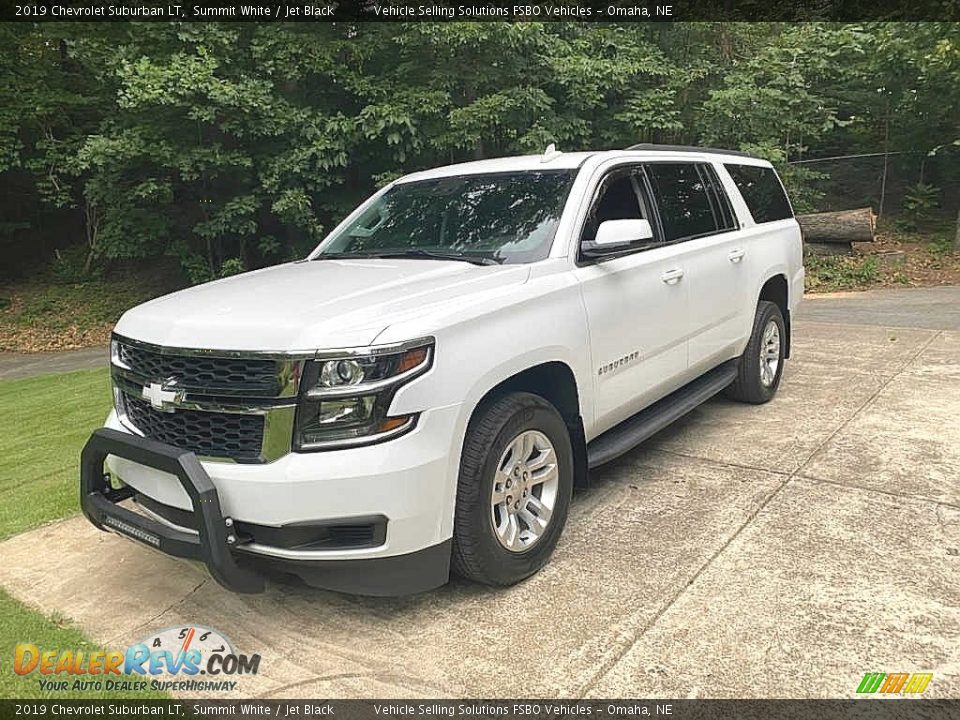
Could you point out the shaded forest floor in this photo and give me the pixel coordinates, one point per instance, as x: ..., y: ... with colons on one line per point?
x: 48, y: 312
x: 896, y: 259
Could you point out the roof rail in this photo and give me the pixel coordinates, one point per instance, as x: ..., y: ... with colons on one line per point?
x: 688, y: 148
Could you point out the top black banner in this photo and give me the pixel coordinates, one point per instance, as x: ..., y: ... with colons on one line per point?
x: 495, y: 10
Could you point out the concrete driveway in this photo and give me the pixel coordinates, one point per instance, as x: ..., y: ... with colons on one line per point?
x: 21, y: 365
x: 775, y: 551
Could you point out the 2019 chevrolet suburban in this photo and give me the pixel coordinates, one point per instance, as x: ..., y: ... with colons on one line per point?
x: 422, y: 392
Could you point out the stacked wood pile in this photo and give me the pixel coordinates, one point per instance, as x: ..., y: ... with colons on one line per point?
x: 831, y: 233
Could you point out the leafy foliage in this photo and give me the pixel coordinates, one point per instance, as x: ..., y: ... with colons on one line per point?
x: 920, y: 199
x: 233, y: 146
x: 840, y: 272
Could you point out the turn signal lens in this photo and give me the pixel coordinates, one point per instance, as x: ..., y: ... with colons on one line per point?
x: 411, y: 358
x: 394, y: 423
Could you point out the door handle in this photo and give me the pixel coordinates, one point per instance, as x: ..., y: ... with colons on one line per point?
x: 736, y: 256
x: 672, y: 277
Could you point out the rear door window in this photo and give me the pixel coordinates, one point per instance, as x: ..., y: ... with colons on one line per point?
x: 686, y: 206
x: 761, y: 191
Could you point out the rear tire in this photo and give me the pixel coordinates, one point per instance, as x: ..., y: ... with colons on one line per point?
x: 761, y: 365
x: 514, y: 489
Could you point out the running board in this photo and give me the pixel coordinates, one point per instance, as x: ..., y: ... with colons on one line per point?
x: 634, y: 430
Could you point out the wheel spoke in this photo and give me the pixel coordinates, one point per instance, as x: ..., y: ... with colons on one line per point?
x: 540, y: 460
x: 544, y: 475
x: 512, y: 531
x: 533, y: 523
x: 526, y: 447
x: 509, y: 456
x: 504, y: 523
x: 542, y: 512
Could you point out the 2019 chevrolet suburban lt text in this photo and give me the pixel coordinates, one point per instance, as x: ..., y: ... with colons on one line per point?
x: 422, y: 393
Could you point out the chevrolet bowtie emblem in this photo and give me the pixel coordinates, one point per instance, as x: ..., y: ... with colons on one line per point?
x: 161, y: 397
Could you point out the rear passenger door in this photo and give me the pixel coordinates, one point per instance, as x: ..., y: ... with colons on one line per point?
x: 772, y: 237
x: 695, y: 214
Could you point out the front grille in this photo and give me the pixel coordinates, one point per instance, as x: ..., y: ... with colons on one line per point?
x: 211, y: 434
x: 251, y: 377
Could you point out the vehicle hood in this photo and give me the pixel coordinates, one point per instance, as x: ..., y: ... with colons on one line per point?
x: 311, y: 305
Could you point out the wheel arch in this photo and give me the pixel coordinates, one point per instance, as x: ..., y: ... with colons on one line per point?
x: 555, y: 382
x: 776, y: 289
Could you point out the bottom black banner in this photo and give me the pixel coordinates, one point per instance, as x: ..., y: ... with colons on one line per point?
x: 907, y: 709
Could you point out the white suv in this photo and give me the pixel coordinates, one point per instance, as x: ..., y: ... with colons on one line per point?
x: 424, y: 391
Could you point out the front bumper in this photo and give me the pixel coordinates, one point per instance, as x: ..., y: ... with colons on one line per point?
x: 213, y: 540
x: 408, y: 480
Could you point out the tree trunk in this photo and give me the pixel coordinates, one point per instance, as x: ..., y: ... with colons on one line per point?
x: 886, y: 160
x: 92, y: 217
x: 845, y: 226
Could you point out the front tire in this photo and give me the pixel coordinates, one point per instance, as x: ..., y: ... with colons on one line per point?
x: 514, y: 489
x: 761, y: 365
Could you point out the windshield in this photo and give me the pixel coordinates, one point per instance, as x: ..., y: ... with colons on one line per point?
x: 501, y: 217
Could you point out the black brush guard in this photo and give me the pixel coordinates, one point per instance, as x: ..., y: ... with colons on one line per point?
x: 99, y: 502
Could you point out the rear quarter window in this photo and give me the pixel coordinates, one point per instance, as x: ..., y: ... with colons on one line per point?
x: 762, y: 191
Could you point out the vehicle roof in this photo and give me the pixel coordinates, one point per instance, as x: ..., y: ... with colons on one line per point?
x: 572, y: 160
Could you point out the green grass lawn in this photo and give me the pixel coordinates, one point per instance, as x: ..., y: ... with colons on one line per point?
x: 20, y: 624
x: 43, y: 425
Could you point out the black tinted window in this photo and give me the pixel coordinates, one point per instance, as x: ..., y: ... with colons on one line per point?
x: 761, y: 191
x: 616, y: 200
x: 726, y: 220
x: 685, y: 205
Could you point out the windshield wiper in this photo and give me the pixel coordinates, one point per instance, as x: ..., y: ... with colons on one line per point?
x: 416, y: 253
x: 434, y: 255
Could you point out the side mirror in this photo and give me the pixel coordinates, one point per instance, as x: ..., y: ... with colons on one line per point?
x: 622, y: 232
x: 616, y: 235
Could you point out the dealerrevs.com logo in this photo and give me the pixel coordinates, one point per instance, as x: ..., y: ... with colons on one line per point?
x: 179, y: 659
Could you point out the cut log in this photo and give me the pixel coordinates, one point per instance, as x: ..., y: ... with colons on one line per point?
x: 831, y: 248
x: 845, y: 226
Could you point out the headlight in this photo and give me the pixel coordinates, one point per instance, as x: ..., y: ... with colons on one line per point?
x: 345, y: 397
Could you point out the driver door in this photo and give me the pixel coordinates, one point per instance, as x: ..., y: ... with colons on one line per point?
x: 636, y: 306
